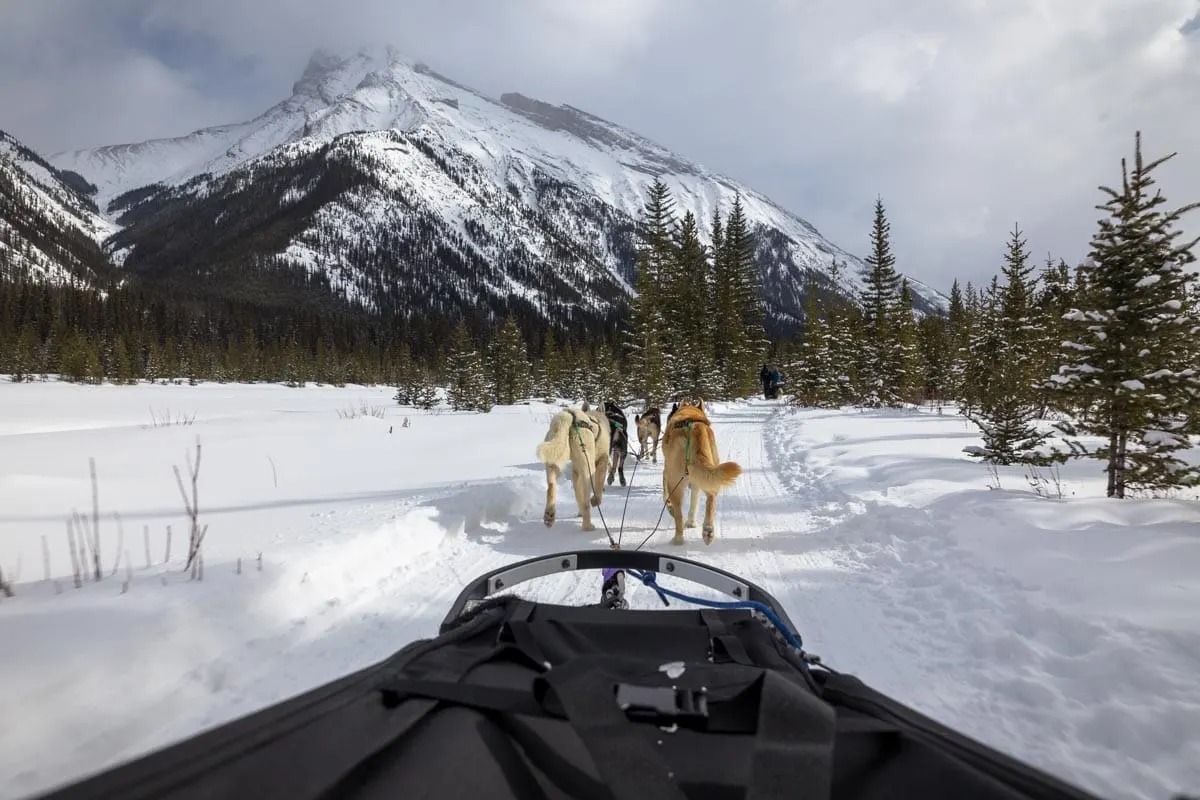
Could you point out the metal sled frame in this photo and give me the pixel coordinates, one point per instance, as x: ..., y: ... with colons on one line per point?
x: 506, y: 577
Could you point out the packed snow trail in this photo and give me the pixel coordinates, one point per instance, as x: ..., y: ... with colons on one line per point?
x: 389, y: 523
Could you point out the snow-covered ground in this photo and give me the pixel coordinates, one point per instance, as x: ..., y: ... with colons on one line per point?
x: 1066, y: 632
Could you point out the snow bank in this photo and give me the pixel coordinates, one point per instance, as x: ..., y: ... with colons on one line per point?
x: 1066, y: 632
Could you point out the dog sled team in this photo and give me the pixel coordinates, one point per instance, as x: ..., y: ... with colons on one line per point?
x: 596, y: 443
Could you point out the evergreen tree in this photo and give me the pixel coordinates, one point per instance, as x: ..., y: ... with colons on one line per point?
x: 933, y: 336
x: 907, y: 373
x: 809, y: 364
x: 880, y: 334
x: 1127, y: 367
x: 1052, y: 303
x: 550, y: 369
x: 647, y: 340
x: 750, y: 346
x: 958, y: 342
x: 726, y: 318
x: 466, y: 378
x: 844, y: 321
x: 510, y: 375
x: 685, y: 305
x: 414, y: 384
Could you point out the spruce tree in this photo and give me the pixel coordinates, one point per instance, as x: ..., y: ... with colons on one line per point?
x: 1128, y: 367
x: 726, y: 318
x: 687, y: 303
x: 958, y: 343
x: 550, y: 372
x: 810, y: 368
x: 844, y: 321
x: 509, y: 362
x: 466, y: 379
x: 880, y: 334
x: 907, y: 373
x: 654, y: 256
x: 1052, y: 303
x: 933, y: 336
x: 751, y: 345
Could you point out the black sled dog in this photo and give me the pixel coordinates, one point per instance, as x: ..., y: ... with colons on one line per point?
x: 618, y: 449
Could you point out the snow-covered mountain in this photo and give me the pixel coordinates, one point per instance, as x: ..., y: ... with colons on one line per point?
x: 50, y: 230
x: 395, y: 188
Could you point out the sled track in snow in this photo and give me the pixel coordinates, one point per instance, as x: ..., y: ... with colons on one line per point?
x: 879, y: 590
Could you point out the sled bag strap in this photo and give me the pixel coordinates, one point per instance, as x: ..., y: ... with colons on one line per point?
x: 625, y: 759
x: 726, y: 647
x: 793, y: 749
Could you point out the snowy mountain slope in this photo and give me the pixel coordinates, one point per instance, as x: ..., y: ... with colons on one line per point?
x: 506, y: 189
x: 50, y: 230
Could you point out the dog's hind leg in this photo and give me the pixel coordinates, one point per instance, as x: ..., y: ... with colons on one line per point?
x: 677, y: 511
x: 691, y: 520
x: 612, y: 470
x: 552, y: 473
x: 621, y: 467
x: 582, y: 488
x: 598, y: 471
x: 708, y: 532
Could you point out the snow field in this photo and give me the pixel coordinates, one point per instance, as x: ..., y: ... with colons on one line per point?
x: 1066, y: 632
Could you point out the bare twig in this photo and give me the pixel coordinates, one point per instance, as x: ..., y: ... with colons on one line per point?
x: 81, y: 540
x: 46, y: 556
x: 120, y: 543
x: 146, y: 542
x: 193, y: 505
x: 95, y: 518
x: 167, y: 555
x: 74, y: 552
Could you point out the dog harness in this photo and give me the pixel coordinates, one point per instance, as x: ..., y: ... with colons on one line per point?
x: 687, y: 445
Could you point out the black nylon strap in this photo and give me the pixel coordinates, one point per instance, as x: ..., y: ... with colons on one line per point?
x: 725, y: 645
x: 490, y: 699
x: 625, y: 759
x: 793, y: 750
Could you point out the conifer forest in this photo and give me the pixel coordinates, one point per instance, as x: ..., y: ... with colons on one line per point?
x: 1107, y: 348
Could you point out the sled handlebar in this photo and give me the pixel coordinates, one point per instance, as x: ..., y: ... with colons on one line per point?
x: 510, y: 575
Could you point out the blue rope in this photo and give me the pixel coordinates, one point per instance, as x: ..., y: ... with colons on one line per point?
x: 650, y: 580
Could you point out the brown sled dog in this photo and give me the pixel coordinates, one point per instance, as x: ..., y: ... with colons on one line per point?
x: 649, y: 427
x: 581, y: 437
x: 690, y: 457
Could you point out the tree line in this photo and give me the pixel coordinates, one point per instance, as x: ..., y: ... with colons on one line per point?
x: 1109, y: 349
x: 1109, y: 346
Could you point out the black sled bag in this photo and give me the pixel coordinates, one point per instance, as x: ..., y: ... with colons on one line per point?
x: 522, y: 700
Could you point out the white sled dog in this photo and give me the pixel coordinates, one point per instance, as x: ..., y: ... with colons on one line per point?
x: 581, y: 437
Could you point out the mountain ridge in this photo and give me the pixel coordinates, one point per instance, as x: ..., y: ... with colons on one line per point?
x: 482, y: 172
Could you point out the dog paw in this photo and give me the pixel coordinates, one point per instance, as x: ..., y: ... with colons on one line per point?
x: 610, y: 480
x: 708, y: 534
x: 677, y: 540
x: 587, y: 526
x: 622, y: 480
x: 548, y: 518
x: 596, y: 502
x: 691, y: 523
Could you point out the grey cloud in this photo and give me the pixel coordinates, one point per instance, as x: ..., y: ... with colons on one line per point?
x: 965, y: 115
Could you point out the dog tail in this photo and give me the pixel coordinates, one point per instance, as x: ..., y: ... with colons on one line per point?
x: 713, y: 479
x: 556, y: 449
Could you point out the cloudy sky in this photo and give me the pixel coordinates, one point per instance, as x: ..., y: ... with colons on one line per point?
x: 966, y: 116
